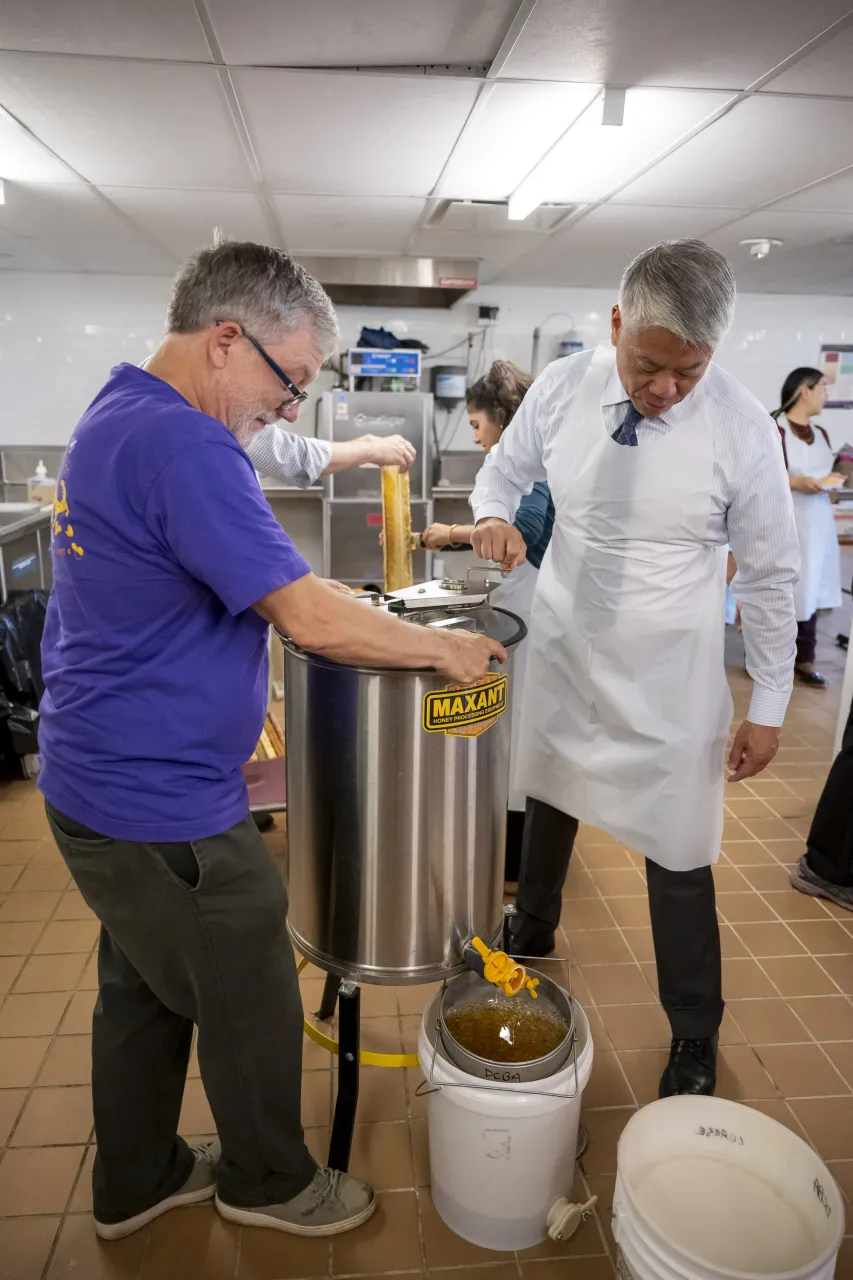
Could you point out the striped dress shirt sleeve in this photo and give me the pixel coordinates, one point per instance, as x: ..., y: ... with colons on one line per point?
x: 293, y: 459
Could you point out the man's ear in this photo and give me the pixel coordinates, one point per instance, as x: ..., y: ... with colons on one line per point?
x: 615, y: 324
x: 220, y: 338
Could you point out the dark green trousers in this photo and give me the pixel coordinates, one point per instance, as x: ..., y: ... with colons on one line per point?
x: 192, y: 933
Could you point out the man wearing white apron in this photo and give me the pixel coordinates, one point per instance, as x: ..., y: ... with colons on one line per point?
x: 656, y: 459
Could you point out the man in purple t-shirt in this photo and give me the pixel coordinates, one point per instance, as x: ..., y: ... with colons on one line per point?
x: 168, y: 568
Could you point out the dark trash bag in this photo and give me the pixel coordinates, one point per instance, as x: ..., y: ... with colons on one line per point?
x: 21, y: 680
x: 21, y: 628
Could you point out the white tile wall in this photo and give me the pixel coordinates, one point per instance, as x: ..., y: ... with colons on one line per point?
x: 60, y: 334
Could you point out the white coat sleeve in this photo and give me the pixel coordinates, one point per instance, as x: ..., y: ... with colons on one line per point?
x: 291, y: 458
x: 763, y: 538
x: 517, y: 460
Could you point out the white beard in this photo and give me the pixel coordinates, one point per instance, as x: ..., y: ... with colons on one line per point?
x: 246, y: 426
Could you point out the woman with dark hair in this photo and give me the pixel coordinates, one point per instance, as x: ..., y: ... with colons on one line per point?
x: 809, y: 459
x: 492, y: 402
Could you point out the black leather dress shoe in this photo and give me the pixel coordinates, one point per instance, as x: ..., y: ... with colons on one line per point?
x: 812, y: 678
x: 519, y: 945
x: 692, y: 1068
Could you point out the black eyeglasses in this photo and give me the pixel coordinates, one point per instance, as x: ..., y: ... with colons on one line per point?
x: 296, y: 396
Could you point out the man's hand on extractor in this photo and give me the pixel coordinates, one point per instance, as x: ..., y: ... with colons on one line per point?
x: 754, y: 747
x: 465, y: 657
x: 494, y: 539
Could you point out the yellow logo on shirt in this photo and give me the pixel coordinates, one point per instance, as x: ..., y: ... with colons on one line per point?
x: 62, y: 526
x: 466, y: 713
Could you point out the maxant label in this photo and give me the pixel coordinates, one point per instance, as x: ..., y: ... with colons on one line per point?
x: 466, y: 713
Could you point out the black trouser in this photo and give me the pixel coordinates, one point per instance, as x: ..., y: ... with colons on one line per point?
x: 829, y: 853
x: 806, y: 640
x: 191, y: 933
x: 514, y: 838
x: 683, y: 910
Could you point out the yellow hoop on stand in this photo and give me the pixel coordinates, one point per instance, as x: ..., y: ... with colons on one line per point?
x: 365, y: 1057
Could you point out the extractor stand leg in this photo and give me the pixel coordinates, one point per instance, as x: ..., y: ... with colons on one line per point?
x: 349, y: 1009
x: 330, y: 998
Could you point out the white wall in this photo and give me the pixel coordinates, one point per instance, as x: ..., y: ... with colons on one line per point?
x: 59, y: 335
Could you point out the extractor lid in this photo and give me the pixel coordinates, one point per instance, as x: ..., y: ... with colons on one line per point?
x: 394, y: 282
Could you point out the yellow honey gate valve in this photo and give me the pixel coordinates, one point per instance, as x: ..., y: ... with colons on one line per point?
x: 504, y: 972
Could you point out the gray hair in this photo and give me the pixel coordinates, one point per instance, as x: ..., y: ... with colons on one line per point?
x: 683, y: 286
x: 260, y: 287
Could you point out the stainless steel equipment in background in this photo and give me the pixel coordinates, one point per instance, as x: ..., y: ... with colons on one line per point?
x: 25, y: 562
x: 352, y: 500
x: 19, y: 462
x: 397, y: 790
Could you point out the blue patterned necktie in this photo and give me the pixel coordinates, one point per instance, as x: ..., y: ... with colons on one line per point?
x: 626, y: 432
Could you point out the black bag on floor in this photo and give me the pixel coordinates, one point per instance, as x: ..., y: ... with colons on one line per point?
x: 21, y: 628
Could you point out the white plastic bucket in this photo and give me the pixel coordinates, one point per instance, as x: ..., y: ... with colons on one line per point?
x: 501, y: 1154
x: 708, y: 1189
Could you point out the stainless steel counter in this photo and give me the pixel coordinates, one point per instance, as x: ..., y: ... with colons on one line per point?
x: 24, y: 547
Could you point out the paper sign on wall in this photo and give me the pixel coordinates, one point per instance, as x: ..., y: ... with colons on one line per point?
x: 836, y: 365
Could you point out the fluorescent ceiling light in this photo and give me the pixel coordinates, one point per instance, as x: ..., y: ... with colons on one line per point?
x: 530, y: 193
x: 506, y: 135
x: 590, y: 161
x: 523, y: 201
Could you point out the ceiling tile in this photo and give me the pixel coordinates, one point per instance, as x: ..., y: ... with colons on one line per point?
x: 494, y: 249
x: 352, y: 134
x: 724, y: 45
x: 184, y: 221
x: 346, y: 224
x: 28, y: 255
x: 835, y: 194
x: 373, y: 32
x: 593, y: 159
x: 789, y: 227
x: 822, y: 269
x: 740, y: 159
x: 825, y: 71
x: 133, y: 28
x: 596, y: 249
x: 816, y: 253
x: 132, y: 258
x: 74, y: 211
x: 24, y: 159
x: 505, y: 137
x: 128, y: 123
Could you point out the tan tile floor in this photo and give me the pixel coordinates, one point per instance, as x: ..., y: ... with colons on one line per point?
x: 787, y: 1049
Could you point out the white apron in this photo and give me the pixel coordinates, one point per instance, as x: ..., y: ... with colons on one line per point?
x: 627, y: 709
x: 819, y: 586
x: 516, y: 594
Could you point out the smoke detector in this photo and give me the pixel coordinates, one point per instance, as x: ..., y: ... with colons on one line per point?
x: 760, y: 248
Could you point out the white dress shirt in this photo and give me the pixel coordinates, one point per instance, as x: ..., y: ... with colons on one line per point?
x: 284, y: 455
x: 749, y: 507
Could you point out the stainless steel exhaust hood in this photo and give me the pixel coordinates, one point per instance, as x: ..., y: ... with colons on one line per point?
x: 394, y: 282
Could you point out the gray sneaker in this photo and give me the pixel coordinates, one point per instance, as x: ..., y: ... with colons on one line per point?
x: 331, y: 1204
x: 200, y: 1185
x: 804, y: 879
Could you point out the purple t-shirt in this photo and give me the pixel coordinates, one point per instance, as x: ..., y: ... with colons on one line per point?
x: 155, y: 664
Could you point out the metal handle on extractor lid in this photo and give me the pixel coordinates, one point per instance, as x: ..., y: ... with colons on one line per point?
x: 498, y: 968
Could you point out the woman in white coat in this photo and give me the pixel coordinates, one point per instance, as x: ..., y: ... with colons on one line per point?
x: 492, y: 402
x: 809, y: 459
